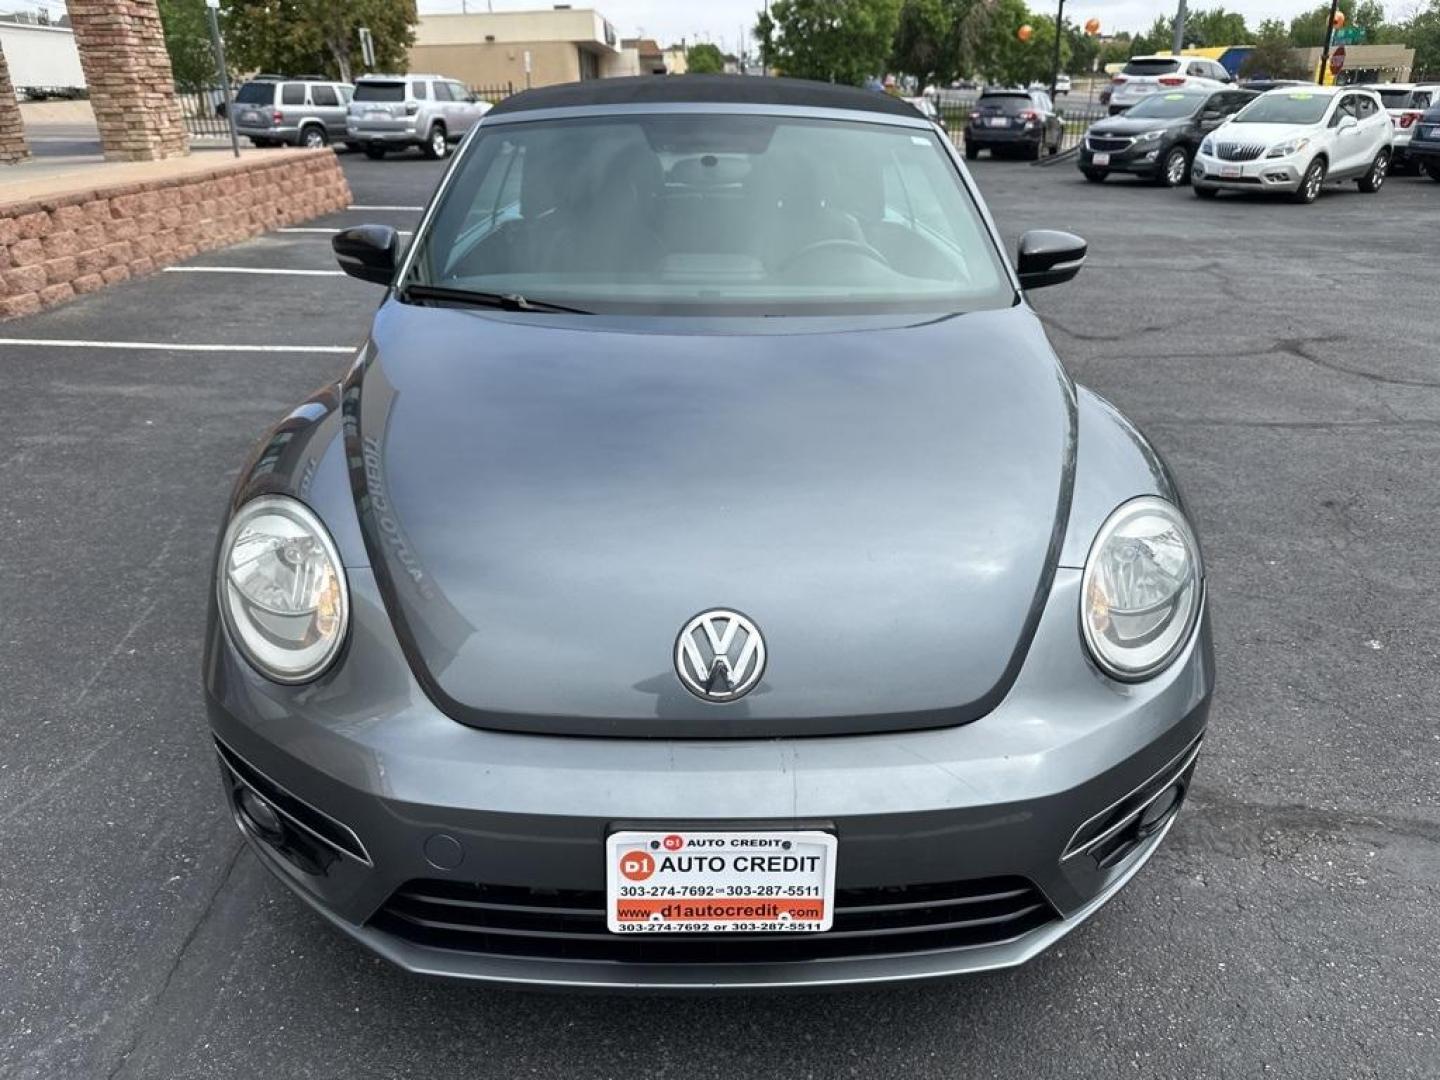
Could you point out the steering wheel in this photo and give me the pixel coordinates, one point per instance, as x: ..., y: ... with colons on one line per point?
x: 859, y: 247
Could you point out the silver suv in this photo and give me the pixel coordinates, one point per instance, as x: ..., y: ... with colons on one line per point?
x: 391, y: 112
x: 297, y: 111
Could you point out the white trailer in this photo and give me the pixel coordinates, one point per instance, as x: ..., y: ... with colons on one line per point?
x: 43, y: 60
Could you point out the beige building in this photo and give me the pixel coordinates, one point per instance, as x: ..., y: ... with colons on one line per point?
x: 675, y: 62
x: 1366, y: 63
x: 522, y: 48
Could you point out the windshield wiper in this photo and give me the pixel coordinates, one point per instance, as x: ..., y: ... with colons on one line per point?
x: 504, y: 301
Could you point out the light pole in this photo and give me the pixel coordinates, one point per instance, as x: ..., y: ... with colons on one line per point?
x: 1329, y: 40
x: 1055, y: 66
x: 212, y: 8
x: 1179, y: 29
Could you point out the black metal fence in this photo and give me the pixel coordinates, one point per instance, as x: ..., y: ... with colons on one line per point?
x: 203, y: 114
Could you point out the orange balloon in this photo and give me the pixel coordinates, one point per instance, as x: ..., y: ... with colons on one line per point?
x: 1092, y: 26
x: 1025, y: 32
x: 1339, y: 19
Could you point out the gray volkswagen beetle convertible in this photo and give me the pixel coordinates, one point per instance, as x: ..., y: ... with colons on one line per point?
x: 706, y: 575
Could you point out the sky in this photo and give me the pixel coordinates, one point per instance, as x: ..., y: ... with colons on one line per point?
x: 721, y: 21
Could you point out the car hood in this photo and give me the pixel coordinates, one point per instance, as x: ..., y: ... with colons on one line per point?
x: 547, y: 500
x: 1268, y: 134
x: 1124, y: 125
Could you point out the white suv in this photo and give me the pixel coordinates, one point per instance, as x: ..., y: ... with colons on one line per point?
x: 1146, y: 75
x: 1293, y: 140
x: 1406, y: 103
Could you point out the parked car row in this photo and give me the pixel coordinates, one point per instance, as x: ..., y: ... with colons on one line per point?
x: 377, y: 114
x: 1290, y: 140
x: 1159, y: 137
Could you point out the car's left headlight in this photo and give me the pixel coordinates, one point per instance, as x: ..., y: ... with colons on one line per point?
x: 1140, y: 594
x: 1149, y: 136
x: 1285, y: 149
x: 282, y: 590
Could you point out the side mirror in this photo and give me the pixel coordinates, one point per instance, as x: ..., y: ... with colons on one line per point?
x: 1347, y: 122
x: 368, y: 252
x: 1048, y: 258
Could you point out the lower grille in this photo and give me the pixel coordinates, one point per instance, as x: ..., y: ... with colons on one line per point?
x: 570, y: 924
x: 1227, y: 151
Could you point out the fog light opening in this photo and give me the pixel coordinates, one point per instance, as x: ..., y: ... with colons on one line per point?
x: 1159, y: 810
x: 260, y: 815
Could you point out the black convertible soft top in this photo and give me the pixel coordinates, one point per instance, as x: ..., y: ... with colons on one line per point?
x: 719, y: 89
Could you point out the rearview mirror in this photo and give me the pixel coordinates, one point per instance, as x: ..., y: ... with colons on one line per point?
x: 368, y: 252
x: 1048, y: 258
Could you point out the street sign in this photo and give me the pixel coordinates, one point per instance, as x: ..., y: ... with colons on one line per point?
x: 367, y: 46
x: 1349, y: 35
x: 1337, y: 61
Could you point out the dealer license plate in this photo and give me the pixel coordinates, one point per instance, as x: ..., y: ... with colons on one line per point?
x: 1430, y: 133
x: 1229, y: 172
x: 1101, y: 159
x: 999, y: 121
x: 719, y: 882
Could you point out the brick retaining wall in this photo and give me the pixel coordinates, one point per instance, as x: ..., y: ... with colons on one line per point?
x: 53, y: 248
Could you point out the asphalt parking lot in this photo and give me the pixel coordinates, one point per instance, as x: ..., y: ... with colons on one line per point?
x: 1286, y: 359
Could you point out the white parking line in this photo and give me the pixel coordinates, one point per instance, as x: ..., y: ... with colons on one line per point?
x: 316, y: 229
x: 406, y: 209
x: 250, y: 270
x: 165, y: 346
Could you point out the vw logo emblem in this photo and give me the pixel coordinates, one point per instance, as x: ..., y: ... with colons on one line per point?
x: 720, y: 655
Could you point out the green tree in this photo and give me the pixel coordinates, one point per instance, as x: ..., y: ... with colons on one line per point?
x: 187, y: 40
x: 704, y: 59
x: 1006, y: 60
x: 1160, y: 37
x: 1422, y: 33
x: 319, y: 36
x: 1272, y: 57
x: 1307, y: 30
x: 1215, y: 28
x: 939, y: 40
x: 921, y: 39
x: 833, y: 40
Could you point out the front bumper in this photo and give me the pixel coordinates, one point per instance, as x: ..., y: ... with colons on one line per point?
x: 1272, y: 174
x: 1144, y: 159
x: 430, y: 805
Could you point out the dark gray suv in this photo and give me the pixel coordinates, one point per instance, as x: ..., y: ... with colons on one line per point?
x: 706, y: 575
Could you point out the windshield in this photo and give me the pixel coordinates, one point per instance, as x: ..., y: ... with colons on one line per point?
x: 713, y: 214
x: 255, y: 93
x: 1010, y: 104
x: 380, y: 91
x: 1396, y: 99
x: 1167, y: 106
x: 1151, y: 67
x: 1289, y: 107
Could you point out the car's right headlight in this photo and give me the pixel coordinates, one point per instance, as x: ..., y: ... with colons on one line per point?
x: 1208, y: 147
x: 282, y: 590
x: 1141, y: 590
x: 1288, y: 147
